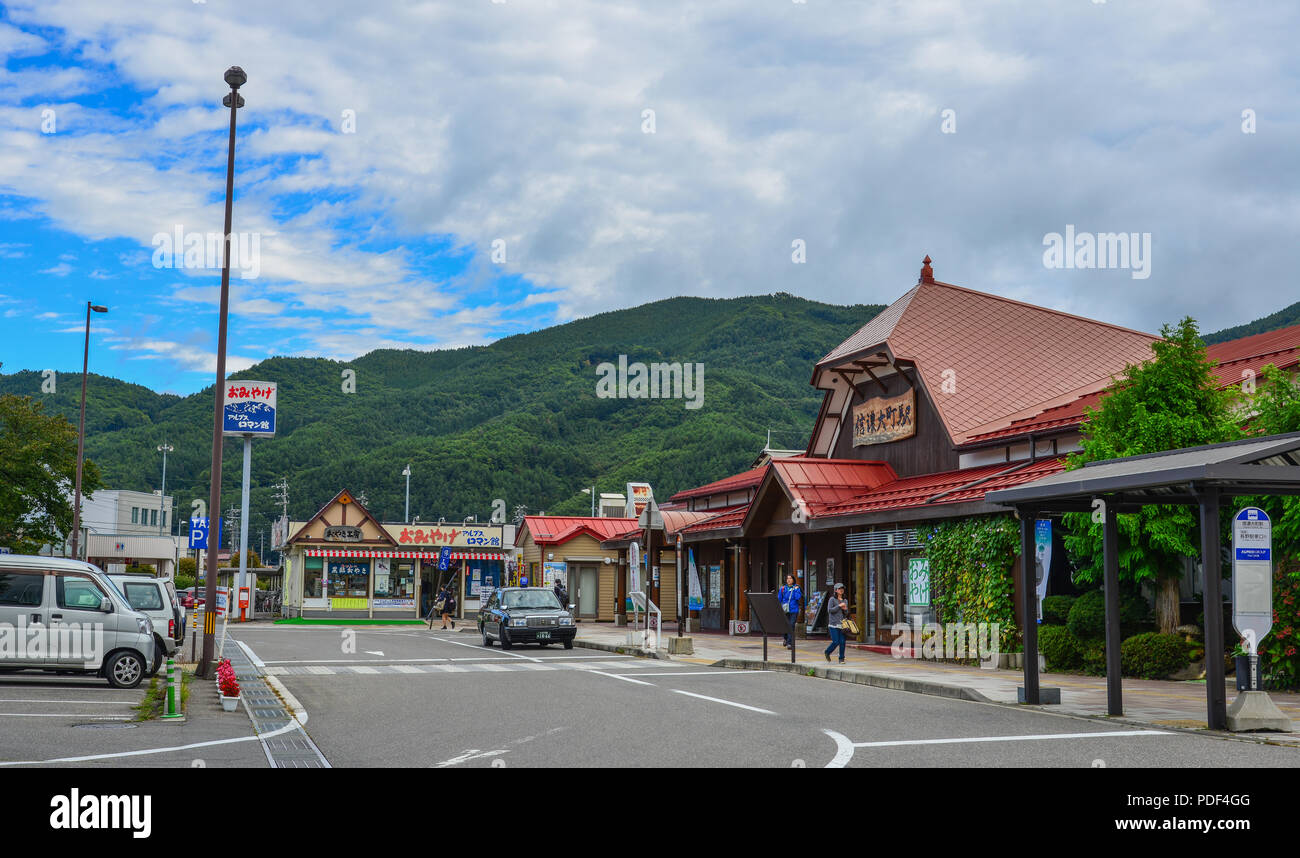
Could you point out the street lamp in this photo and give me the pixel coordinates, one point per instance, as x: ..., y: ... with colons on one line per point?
x: 81, y: 435
x: 591, y: 491
x: 406, y: 472
x: 235, y: 78
x: 163, y: 448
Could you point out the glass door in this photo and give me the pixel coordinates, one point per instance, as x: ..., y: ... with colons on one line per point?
x: 886, y: 576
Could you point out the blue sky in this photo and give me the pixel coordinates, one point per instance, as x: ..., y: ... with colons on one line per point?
x: 387, y: 148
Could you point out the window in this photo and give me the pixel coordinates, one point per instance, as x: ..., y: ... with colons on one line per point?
x: 349, y: 579
x: 144, y: 597
x: 397, y: 583
x: 22, y: 588
x: 530, y: 599
x: 75, y: 591
x: 135, y: 515
x: 154, y: 516
x: 164, y: 521
x: 311, y: 577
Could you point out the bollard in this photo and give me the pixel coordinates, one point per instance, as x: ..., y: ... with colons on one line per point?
x: 172, y: 710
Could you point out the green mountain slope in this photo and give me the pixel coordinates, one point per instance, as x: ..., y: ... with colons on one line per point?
x: 1283, y: 318
x: 517, y: 420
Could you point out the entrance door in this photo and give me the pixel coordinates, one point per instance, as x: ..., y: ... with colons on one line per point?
x: 587, y: 597
x: 887, y: 590
x: 711, y: 614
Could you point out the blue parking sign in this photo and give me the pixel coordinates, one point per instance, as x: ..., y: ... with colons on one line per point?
x: 199, y: 533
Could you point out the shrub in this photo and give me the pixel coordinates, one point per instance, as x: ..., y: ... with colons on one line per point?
x: 1134, y: 614
x: 1056, y: 610
x: 1087, y: 620
x: 1153, y: 655
x: 1062, y: 650
x: 1094, y: 658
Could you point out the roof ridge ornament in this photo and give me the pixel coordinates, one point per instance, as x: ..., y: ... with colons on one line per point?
x: 927, y: 273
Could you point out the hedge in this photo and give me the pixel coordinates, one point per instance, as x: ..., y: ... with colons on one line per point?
x: 1056, y: 609
x: 1153, y: 655
x: 1062, y: 650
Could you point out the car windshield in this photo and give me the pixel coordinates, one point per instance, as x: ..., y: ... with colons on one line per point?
x: 529, y: 599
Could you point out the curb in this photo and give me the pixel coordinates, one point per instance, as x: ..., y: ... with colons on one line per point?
x: 858, y: 677
x: 622, y: 649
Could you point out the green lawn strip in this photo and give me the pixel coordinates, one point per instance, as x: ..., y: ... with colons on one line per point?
x: 155, y: 698
x: 300, y: 621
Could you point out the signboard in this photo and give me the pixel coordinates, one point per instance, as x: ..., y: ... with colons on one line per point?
x: 696, y: 598
x: 1252, y: 576
x: 918, y: 582
x: 882, y: 419
x: 639, y: 496
x: 1042, y: 559
x: 552, y: 570
x: 248, y: 408
x: 343, y: 533
x: 280, y: 533
x: 739, y: 627
x: 715, y: 586
x: 634, y: 566
x: 472, y: 536
x: 394, y: 603
x: 382, y: 568
x: 812, y: 609
x: 444, y: 558
x: 199, y: 532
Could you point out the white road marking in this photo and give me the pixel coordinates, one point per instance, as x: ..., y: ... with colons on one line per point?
x: 725, y: 702
x: 705, y: 673
x: 252, y: 656
x: 363, y: 669
x: 64, y: 715
x: 373, y: 651
x: 539, y: 666
x: 479, y: 647
x: 843, y: 750
x: 318, y: 670
x: 407, y: 668
x: 449, y: 668
x: 616, y: 676
x: 472, y: 754
x: 495, y: 667
x: 295, y: 708
x: 293, y: 661
x: 1101, y: 735
x: 40, y: 700
x: 292, y: 725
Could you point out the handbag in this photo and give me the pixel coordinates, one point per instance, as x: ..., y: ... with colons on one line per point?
x: 850, y: 626
x: 439, y: 605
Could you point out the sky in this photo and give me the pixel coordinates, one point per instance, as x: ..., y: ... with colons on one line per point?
x: 439, y: 174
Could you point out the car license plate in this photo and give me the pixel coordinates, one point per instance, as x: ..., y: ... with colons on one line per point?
x: 543, y: 636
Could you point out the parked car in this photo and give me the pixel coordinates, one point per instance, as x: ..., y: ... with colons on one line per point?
x: 156, y: 599
x: 514, y: 615
x: 87, y: 622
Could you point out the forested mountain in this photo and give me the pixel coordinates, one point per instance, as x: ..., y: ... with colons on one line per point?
x: 1284, y: 318
x: 517, y: 420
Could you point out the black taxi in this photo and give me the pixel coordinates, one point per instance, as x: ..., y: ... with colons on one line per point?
x: 521, y: 615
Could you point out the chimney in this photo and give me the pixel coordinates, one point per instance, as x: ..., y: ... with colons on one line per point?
x: 927, y: 273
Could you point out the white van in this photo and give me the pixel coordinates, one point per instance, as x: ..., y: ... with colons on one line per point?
x: 66, y: 616
x: 156, y: 599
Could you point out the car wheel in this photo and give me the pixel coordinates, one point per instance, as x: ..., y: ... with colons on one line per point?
x: 505, y: 640
x: 568, y: 644
x: 158, y: 649
x: 125, y: 670
x: 487, y: 641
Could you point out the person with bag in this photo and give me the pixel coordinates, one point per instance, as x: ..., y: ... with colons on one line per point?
x: 561, y: 594
x: 837, y: 612
x: 791, y: 599
x: 448, y: 608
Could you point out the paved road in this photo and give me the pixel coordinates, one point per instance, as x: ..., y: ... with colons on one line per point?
x: 411, y: 697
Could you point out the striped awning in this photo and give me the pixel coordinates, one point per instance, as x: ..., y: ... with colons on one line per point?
x: 431, y: 556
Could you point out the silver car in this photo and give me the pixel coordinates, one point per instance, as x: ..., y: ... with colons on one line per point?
x: 66, y: 616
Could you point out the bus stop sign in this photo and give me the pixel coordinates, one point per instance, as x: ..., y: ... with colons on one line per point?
x: 1252, y: 576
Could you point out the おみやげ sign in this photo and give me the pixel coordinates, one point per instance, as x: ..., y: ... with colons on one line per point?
x: 248, y: 408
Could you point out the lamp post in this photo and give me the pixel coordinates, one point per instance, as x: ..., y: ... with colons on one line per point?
x: 406, y: 472
x: 81, y: 435
x: 163, y: 448
x: 591, y: 491
x: 235, y: 78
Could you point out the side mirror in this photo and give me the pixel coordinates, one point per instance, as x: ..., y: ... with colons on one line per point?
x: 572, y: 608
x: 106, y: 606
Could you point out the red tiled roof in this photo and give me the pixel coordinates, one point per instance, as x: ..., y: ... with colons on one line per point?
x: 1005, y: 356
x: 915, y: 491
x: 734, y: 483
x: 733, y: 517
x: 558, y: 529
x: 823, y: 482
x: 1237, y: 359
x: 676, y: 520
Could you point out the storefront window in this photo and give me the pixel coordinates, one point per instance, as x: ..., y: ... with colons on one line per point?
x: 349, y: 579
x: 312, y: 567
x: 394, y: 580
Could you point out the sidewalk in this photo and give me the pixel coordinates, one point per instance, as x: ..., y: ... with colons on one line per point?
x: 1146, y: 702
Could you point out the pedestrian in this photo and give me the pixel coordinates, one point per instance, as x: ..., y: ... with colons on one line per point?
x: 448, y: 607
x: 837, y: 610
x: 561, y: 593
x: 790, y: 597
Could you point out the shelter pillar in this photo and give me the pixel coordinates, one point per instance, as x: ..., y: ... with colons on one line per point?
x: 1029, y: 611
x: 1110, y: 590
x: 1216, y: 705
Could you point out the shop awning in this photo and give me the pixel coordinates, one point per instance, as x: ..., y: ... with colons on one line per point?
x: 431, y: 556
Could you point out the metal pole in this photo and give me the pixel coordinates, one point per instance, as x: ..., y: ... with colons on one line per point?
x: 1110, y: 561
x: 1215, y: 704
x: 679, y: 585
x: 407, y: 518
x: 1029, y: 595
x: 162, y: 494
x: 235, y: 77
x: 243, y: 522
x: 81, y: 444
x: 593, y: 501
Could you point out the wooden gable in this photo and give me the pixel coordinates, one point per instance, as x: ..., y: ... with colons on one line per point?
x: 344, y: 511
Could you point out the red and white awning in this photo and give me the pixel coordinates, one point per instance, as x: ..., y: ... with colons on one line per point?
x: 430, y: 556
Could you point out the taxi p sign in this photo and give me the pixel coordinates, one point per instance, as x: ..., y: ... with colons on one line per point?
x: 1252, y: 576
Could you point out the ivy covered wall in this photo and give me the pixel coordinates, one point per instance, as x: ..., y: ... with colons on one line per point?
x: 971, y: 572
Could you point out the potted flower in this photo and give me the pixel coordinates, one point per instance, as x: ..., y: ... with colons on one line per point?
x: 227, y: 685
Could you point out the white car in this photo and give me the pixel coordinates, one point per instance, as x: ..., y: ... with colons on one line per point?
x: 156, y: 599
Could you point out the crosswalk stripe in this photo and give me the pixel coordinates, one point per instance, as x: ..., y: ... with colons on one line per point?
x: 408, y: 668
x: 321, y: 671
x: 363, y: 669
x: 494, y: 667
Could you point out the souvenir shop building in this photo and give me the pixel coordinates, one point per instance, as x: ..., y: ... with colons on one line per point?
x: 946, y: 395
x: 344, y: 563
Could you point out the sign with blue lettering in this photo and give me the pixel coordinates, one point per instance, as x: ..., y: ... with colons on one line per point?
x: 248, y: 408
x: 199, y: 533
x: 444, y: 558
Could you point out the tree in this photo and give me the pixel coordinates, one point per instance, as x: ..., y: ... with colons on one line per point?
x: 254, y: 562
x: 38, y: 467
x: 1277, y: 411
x: 1168, y: 402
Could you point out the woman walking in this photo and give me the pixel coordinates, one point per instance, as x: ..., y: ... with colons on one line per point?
x: 790, y: 597
x: 837, y: 609
x: 449, y: 608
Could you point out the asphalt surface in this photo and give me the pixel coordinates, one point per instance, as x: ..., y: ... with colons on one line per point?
x: 412, y: 697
